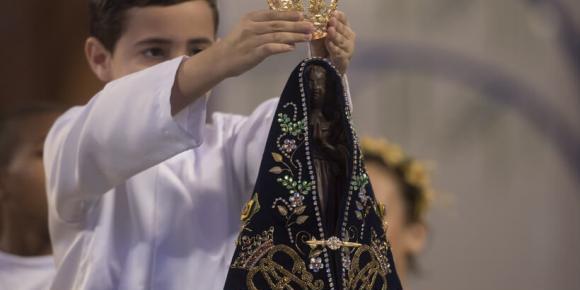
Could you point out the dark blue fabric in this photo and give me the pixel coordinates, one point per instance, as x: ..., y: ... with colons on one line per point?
x: 284, y: 211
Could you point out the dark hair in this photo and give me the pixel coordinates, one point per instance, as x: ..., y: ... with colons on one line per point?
x: 107, y: 17
x: 9, y: 138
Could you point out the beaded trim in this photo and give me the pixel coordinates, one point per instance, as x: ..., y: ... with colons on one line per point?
x: 326, y: 259
x: 298, y: 184
x: 357, y: 170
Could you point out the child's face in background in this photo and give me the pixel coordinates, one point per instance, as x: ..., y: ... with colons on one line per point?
x: 23, y: 184
x: 155, y: 34
x: 406, y: 238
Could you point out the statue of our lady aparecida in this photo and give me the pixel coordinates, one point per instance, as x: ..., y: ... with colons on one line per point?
x: 313, y: 222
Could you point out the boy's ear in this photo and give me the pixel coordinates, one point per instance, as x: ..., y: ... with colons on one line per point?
x: 99, y: 58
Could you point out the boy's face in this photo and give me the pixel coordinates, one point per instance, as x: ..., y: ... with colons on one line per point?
x: 155, y: 34
x: 23, y: 184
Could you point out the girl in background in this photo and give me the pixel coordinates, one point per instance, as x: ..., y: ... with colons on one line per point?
x: 403, y: 184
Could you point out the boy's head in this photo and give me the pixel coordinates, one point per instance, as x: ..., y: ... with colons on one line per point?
x: 22, y: 134
x: 130, y: 35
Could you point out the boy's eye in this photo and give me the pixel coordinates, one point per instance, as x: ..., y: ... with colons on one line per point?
x: 154, y: 52
x: 195, y: 51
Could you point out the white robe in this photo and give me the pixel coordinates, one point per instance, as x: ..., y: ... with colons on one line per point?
x: 25, y: 273
x: 139, y: 199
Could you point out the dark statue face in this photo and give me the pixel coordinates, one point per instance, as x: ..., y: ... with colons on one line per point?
x: 318, y: 86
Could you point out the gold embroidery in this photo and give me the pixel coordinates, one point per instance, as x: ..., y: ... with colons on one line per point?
x: 380, y: 247
x: 381, y: 210
x: 252, y: 207
x: 253, y: 249
x: 369, y: 275
x: 257, y: 254
x: 277, y: 277
x: 375, y: 271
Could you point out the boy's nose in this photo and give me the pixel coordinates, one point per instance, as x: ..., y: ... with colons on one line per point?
x: 179, y: 50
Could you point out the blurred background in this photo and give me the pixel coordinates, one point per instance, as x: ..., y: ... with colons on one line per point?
x: 488, y: 91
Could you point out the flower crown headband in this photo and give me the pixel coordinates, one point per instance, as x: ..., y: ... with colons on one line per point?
x: 414, y: 172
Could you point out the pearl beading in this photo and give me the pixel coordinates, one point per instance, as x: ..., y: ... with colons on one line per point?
x: 356, y: 168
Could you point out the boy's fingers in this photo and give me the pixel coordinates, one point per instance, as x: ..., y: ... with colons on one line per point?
x: 270, y: 15
x: 274, y: 48
x: 335, y: 50
x: 338, y: 39
x: 283, y: 26
x: 338, y: 56
x: 341, y: 16
x: 342, y: 29
x: 282, y: 37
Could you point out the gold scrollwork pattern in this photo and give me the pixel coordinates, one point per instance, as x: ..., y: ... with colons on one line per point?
x: 369, y: 275
x: 365, y: 275
x: 278, y: 277
x: 253, y: 248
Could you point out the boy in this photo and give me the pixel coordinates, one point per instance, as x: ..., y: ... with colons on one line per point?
x: 142, y: 193
x: 25, y: 252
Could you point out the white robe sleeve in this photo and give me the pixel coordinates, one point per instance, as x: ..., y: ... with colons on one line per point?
x: 248, y: 143
x: 123, y: 130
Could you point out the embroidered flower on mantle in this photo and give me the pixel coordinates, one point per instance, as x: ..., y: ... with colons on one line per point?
x: 315, y: 264
x: 289, y: 146
x: 296, y: 200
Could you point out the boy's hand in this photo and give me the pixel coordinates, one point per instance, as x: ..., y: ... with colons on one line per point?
x: 259, y: 35
x: 339, y: 44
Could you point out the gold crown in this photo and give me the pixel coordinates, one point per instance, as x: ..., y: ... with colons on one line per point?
x: 318, y: 12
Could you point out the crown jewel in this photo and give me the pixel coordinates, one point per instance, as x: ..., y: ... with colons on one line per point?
x: 318, y: 11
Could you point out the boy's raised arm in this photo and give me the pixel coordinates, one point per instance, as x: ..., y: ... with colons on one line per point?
x: 259, y: 35
x: 145, y: 118
x: 125, y: 129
